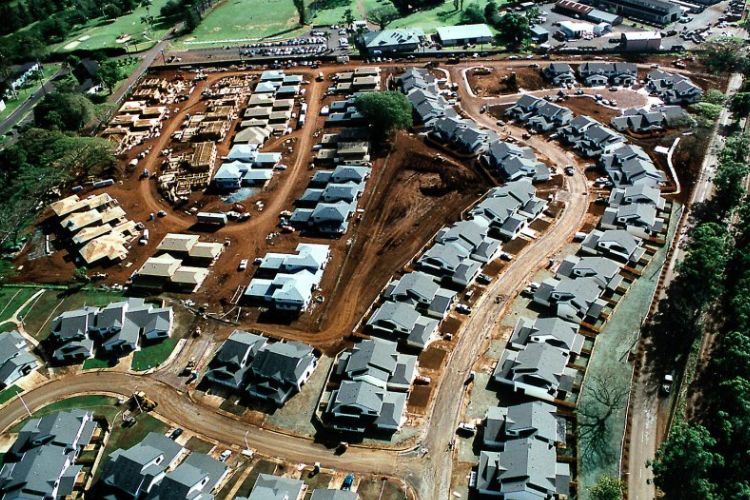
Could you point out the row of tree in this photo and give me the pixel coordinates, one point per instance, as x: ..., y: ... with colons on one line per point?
x: 706, y: 458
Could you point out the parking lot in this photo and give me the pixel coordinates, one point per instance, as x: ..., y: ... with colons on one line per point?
x: 709, y: 18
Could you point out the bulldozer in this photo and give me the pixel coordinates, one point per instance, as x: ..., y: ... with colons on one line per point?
x: 140, y: 401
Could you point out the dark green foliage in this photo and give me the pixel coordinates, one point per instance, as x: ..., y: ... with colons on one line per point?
x: 109, y: 73
x: 513, y: 29
x: 38, y: 163
x: 607, y: 488
x: 382, y: 16
x: 58, y: 111
x: 472, y: 14
x: 684, y: 462
x: 386, y: 112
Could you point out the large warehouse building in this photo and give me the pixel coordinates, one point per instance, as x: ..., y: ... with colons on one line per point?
x: 658, y: 12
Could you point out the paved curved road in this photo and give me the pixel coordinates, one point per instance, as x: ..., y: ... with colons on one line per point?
x: 429, y: 476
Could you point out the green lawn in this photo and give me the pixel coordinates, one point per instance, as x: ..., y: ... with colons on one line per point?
x: 245, y: 20
x: 610, y: 359
x: 31, y: 86
x: 54, y: 301
x: 153, y: 355
x: 96, y: 363
x: 103, y: 33
x: 11, y: 299
x: 9, y: 393
x: 238, y: 21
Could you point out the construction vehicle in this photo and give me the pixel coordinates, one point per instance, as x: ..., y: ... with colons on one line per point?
x: 140, y: 401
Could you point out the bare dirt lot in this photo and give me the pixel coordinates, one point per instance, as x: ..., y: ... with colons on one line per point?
x: 499, y: 81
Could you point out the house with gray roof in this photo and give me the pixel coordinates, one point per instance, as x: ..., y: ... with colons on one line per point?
x: 643, y: 120
x: 673, y: 88
x: 639, y: 193
x: 269, y: 487
x: 524, y: 108
x: 230, y: 365
x: 450, y: 262
x: 601, y: 73
x: 473, y: 139
x: 117, y: 329
x: 539, y: 370
x: 525, y: 468
x: 559, y: 73
x: 428, y: 104
x: 193, y: 479
x: 598, y: 140
x: 378, y: 362
x: 422, y: 291
x: 514, y: 162
x: 553, y: 331
x: 360, y: 407
x: 628, y: 165
x: 473, y: 236
x: 548, y: 116
x: 134, y: 472
x: 574, y: 131
x: 615, y: 243
x: 640, y: 219
x: 325, y: 494
x: 287, y: 281
x: 15, y: 359
x: 446, y: 128
x: 605, y: 271
x: 279, y: 370
x: 41, y: 463
x: 573, y: 300
x: 510, y: 208
x: 391, y: 41
x: 401, y: 321
x: 534, y: 419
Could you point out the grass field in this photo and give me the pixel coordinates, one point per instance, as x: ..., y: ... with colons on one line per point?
x: 102, y: 33
x: 96, y: 363
x: 9, y: 393
x: 245, y: 19
x: 236, y: 21
x: 153, y: 355
x: 53, y: 302
x: 610, y: 359
x: 31, y: 86
x: 10, y: 300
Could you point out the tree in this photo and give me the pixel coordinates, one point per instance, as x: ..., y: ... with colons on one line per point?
x: 532, y: 13
x: 60, y: 111
x: 348, y: 17
x: 386, y: 112
x: 301, y: 11
x: 607, y: 488
x: 192, y: 18
x: 36, y: 164
x: 683, y: 464
x: 740, y: 103
x: 473, y: 14
x: 109, y: 73
x: 491, y: 12
x: 382, y: 16
x: 513, y: 29
x: 730, y: 187
x: 706, y: 110
x: 725, y: 55
x: 714, y: 96
x: 111, y: 10
x: 600, y: 400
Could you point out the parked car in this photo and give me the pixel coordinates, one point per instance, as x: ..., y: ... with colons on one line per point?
x: 243, y: 265
x: 666, y: 384
x: 467, y: 428
x: 225, y: 455
x: 463, y: 309
x: 175, y: 433
x: 569, y: 170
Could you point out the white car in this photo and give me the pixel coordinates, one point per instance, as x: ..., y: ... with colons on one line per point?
x: 243, y: 265
x: 225, y: 455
